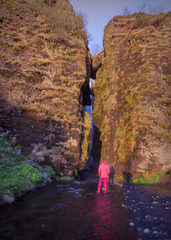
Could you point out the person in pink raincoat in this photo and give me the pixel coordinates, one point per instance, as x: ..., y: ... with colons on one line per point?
x: 103, y: 171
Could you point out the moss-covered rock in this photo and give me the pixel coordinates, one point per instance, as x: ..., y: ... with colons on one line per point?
x: 130, y: 106
x: 18, y: 174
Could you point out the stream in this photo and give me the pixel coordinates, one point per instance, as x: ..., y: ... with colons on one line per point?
x: 68, y: 211
x: 75, y: 211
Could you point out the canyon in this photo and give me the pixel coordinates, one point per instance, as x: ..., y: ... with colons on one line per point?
x: 45, y: 69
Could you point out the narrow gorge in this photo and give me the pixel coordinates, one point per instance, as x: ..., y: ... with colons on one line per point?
x: 66, y: 109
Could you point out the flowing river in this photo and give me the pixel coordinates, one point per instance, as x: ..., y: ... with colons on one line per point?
x: 74, y: 211
x: 68, y: 211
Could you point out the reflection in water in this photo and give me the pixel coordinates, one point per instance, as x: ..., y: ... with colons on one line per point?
x: 67, y: 211
x: 102, y: 215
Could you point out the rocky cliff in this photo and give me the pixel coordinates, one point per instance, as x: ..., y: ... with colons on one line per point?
x: 44, y: 64
x: 133, y: 95
x: 44, y: 72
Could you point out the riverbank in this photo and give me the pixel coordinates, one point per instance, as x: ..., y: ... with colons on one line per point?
x: 68, y: 210
x: 151, y: 207
x: 73, y: 210
x: 18, y: 174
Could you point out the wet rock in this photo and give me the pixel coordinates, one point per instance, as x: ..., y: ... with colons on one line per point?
x: 131, y: 224
x: 1, y: 130
x: 155, y: 233
x: 146, y: 231
x: 76, y: 182
x: 5, y: 199
x: 139, y: 230
x: 123, y: 205
x: 148, y: 218
x: 5, y: 134
x: 154, y: 203
x: 40, y: 156
x: 66, y: 178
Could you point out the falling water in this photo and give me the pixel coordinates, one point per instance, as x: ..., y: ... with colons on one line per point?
x: 89, y: 109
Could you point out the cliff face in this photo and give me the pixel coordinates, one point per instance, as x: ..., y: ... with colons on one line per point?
x: 43, y: 65
x: 44, y: 68
x: 133, y: 95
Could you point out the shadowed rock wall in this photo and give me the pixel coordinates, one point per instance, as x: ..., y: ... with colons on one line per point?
x: 44, y: 64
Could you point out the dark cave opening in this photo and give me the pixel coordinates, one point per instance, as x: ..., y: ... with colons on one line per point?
x: 94, y: 69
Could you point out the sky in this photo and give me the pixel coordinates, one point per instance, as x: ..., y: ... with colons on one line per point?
x: 100, y: 12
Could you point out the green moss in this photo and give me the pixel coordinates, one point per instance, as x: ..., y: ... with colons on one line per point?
x: 18, y: 147
x: 13, y: 180
x: 16, y: 175
x: 4, y: 143
x: 156, y: 178
x: 49, y: 170
x: 9, y: 155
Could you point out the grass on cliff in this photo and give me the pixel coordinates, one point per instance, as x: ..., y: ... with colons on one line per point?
x: 16, y: 175
x: 63, y: 16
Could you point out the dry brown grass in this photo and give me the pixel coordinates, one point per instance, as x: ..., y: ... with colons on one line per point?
x: 165, y: 101
x: 42, y: 62
x: 63, y: 19
x: 51, y: 95
x: 144, y: 122
x: 147, y: 116
x: 20, y: 46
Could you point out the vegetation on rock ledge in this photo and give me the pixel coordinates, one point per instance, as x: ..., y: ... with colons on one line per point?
x: 19, y: 175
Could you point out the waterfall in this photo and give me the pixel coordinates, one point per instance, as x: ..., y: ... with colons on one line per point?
x: 89, y: 109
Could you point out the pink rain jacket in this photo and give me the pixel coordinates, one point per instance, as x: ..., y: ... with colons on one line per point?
x: 103, y: 170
